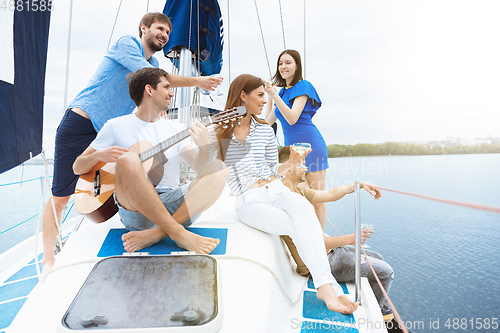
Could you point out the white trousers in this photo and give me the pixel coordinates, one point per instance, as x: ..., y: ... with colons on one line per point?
x: 277, y: 210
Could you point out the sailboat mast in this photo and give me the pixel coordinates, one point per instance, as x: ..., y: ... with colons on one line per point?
x: 186, y: 93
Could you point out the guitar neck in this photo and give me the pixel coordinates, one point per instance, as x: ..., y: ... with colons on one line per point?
x: 164, y: 145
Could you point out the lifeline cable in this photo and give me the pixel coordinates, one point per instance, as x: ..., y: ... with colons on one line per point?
x: 448, y: 201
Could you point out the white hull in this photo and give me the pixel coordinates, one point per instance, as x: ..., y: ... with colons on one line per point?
x: 249, y: 273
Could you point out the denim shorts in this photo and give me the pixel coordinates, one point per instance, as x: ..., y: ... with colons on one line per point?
x: 172, y: 198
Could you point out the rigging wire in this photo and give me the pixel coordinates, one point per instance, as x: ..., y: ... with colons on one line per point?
x: 228, y: 42
x: 262, y: 34
x: 66, y: 78
x: 282, y: 26
x: 190, y: 22
x: 304, y: 38
x: 114, y: 24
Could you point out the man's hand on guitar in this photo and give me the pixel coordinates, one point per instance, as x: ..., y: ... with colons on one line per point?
x: 110, y: 154
x: 199, y: 134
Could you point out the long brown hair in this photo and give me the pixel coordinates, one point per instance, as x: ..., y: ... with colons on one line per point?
x: 278, y: 80
x: 246, y: 83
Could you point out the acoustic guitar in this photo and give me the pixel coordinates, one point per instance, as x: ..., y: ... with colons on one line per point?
x: 94, y: 190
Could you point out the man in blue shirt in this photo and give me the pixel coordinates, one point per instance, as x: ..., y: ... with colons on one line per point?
x: 105, y: 97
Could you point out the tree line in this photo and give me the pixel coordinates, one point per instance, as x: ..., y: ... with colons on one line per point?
x: 398, y: 148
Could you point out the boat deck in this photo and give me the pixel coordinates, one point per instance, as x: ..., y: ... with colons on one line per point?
x: 260, y: 292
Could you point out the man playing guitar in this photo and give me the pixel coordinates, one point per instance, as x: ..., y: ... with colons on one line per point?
x: 153, y: 213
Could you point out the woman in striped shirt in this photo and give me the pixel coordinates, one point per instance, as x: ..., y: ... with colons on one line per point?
x: 250, y: 151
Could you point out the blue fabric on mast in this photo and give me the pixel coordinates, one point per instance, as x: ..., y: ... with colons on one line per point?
x: 21, y: 104
x: 210, y: 31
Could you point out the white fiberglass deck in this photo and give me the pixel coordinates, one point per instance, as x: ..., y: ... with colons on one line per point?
x: 252, y: 267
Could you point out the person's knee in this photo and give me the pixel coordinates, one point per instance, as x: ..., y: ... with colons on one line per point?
x: 217, y: 169
x: 385, y: 272
x: 59, y: 202
x: 129, y: 163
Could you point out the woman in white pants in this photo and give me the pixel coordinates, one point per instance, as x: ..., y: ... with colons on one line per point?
x: 249, y: 149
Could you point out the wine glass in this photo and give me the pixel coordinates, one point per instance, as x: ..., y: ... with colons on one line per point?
x: 301, y: 148
x: 366, y: 227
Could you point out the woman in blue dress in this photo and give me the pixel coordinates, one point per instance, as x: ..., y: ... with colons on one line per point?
x: 294, y: 106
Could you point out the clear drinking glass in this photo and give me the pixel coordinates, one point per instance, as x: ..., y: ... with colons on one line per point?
x: 301, y: 148
x: 216, y: 92
x: 366, y: 227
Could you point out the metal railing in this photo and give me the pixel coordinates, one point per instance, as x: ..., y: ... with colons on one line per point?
x: 357, y: 227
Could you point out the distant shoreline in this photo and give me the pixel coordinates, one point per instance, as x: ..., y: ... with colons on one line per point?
x: 386, y: 149
x: 412, y: 149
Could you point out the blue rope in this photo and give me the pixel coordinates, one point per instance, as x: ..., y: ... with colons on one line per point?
x: 23, y: 181
x: 69, y: 211
x: 19, y: 223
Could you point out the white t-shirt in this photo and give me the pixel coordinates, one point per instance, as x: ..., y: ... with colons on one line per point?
x: 127, y: 130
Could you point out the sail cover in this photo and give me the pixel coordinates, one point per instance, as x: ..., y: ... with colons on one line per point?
x: 193, y: 18
x: 23, y: 55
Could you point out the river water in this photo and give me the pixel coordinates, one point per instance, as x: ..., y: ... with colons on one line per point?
x: 444, y: 256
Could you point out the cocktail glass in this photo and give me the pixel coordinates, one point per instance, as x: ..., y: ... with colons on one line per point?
x: 301, y: 148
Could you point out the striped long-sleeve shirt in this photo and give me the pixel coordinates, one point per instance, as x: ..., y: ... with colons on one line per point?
x: 256, y: 159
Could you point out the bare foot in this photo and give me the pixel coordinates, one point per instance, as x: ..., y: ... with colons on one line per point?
x: 327, y: 294
x: 47, y: 265
x: 350, y: 305
x: 134, y: 241
x: 193, y: 242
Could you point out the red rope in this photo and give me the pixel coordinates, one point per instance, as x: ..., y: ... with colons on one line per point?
x: 396, y: 314
x: 458, y: 203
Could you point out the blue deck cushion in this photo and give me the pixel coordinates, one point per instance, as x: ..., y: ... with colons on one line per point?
x: 313, y: 308
x: 9, y: 311
x: 113, y: 244
x: 25, y: 272
x: 17, y: 289
x: 316, y: 327
x: 40, y: 257
x: 310, y: 285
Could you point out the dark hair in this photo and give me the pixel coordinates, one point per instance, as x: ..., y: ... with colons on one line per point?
x: 278, y: 80
x: 141, y: 78
x: 284, y: 154
x: 246, y: 83
x: 151, y: 18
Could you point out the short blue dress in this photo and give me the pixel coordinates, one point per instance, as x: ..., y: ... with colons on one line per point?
x: 304, y: 130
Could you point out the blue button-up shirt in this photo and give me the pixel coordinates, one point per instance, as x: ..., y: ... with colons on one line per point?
x: 106, y: 95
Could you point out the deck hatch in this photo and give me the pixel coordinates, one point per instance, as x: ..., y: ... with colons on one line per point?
x: 146, y: 292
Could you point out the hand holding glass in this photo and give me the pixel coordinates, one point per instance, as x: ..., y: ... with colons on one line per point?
x: 301, y: 148
x: 216, y: 91
x: 366, y: 227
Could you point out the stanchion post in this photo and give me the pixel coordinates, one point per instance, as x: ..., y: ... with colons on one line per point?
x: 357, y: 226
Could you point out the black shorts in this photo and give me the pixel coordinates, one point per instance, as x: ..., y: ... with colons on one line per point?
x: 74, y: 135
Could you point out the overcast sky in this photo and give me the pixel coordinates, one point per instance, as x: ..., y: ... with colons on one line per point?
x: 385, y: 70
